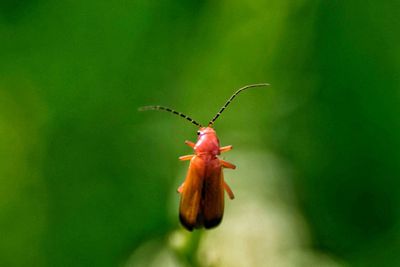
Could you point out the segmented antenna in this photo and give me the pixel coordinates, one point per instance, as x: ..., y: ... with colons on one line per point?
x: 232, y: 97
x: 172, y: 111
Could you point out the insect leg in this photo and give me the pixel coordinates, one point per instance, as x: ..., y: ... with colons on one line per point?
x: 225, y: 148
x: 186, y: 157
x: 191, y: 144
x: 180, y: 188
x: 227, y: 164
x: 229, y: 191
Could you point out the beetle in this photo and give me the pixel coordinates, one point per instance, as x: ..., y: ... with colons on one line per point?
x: 202, y: 192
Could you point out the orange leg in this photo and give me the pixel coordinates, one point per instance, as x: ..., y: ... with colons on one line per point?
x: 186, y: 157
x: 227, y: 164
x: 228, y: 190
x: 191, y: 144
x: 225, y: 148
x: 180, y: 188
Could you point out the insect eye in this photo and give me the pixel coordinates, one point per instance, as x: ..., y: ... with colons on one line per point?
x: 198, y: 132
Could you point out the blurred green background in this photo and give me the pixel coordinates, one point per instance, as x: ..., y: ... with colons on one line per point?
x: 86, y: 180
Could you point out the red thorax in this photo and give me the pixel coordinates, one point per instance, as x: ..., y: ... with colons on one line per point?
x: 207, y: 143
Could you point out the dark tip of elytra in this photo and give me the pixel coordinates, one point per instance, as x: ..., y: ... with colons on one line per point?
x: 212, y: 223
x: 188, y: 226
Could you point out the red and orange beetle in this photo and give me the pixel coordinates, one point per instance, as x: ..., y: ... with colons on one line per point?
x: 202, y: 192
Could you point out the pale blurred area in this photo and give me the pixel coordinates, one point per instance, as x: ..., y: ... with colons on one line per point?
x: 262, y: 226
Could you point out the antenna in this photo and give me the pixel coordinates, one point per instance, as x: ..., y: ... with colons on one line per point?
x: 232, y: 97
x: 170, y: 110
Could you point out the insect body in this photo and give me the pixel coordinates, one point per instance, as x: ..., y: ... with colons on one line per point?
x: 202, y: 192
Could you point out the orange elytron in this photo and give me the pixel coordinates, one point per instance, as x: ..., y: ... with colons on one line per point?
x: 202, y: 192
